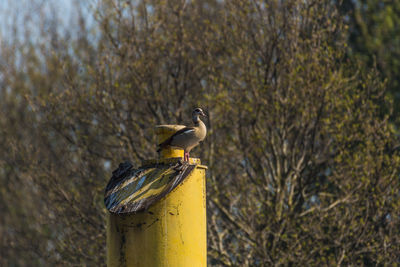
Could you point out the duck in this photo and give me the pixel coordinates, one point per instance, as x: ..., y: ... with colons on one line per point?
x: 188, y: 137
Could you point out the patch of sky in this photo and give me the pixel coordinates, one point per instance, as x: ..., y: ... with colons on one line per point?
x: 314, y: 199
x: 122, y: 129
x: 34, y: 21
x: 107, y: 165
x: 328, y: 172
x: 203, y: 83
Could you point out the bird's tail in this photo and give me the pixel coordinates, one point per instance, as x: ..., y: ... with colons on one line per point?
x: 163, y: 144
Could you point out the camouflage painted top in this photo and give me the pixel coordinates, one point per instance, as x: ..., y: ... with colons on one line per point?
x: 131, y: 190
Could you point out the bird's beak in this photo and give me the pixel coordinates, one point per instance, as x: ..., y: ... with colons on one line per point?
x: 202, y: 114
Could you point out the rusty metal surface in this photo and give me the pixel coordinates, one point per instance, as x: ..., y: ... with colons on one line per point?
x: 131, y: 190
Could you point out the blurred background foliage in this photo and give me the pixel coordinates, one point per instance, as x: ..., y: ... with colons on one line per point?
x: 302, y: 148
x: 374, y: 38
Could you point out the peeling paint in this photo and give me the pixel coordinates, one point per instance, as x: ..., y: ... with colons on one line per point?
x: 131, y: 190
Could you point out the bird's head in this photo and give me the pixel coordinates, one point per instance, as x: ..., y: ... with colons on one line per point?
x: 198, y: 112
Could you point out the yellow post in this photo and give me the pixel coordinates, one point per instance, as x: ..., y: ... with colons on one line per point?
x: 171, y: 232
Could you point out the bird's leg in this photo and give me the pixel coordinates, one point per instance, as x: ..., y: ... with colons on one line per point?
x: 186, y: 157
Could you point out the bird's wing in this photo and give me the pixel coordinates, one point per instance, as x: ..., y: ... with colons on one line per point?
x: 184, y: 131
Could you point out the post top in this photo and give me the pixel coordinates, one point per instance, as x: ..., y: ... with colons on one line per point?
x: 163, y: 132
x: 193, y: 161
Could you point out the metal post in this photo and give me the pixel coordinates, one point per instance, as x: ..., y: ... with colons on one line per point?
x: 171, y: 232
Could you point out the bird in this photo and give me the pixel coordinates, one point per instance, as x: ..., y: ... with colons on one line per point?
x: 188, y: 137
